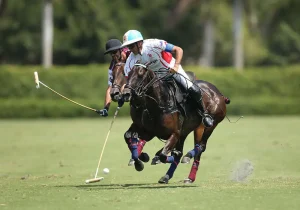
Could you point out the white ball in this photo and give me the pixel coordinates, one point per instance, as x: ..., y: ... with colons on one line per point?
x: 106, y: 171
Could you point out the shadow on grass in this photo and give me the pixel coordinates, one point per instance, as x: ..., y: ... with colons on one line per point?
x: 126, y: 186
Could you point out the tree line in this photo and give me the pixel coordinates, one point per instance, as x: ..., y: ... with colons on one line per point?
x: 269, y: 30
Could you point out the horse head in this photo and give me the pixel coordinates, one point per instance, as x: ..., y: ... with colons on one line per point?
x: 138, y: 81
x: 119, y: 80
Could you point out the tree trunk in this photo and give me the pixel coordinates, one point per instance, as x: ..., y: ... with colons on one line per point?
x: 47, y: 27
x: 177, y: 13
x: 208, y: 49
x: 238, y: 50
x: 252, y: 18
x: 2, y: 6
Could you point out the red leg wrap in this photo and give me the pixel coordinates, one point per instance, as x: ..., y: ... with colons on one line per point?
x: 194, y: 170
x: 141, y: 145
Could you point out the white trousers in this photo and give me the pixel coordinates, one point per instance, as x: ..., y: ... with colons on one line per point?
x: 181, y: 77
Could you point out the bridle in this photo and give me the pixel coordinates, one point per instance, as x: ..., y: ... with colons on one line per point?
x: 141, y: 89
x: 114, y: 85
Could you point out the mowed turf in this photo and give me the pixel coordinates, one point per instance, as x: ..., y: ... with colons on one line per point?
x: 44, y: 163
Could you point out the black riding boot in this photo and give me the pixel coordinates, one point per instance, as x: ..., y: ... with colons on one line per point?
x: 196, y: 94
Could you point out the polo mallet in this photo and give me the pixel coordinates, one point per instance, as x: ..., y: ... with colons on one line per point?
x: 95, y: 179
x: 38, y: 82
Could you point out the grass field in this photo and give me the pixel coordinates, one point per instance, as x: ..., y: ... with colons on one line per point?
x: 43, y: 165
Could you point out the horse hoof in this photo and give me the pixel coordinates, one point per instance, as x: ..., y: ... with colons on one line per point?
x: 155, y: 161
x: 185, y: 159
x: 144, y: 157
x: 164, y: 179
x: 131, y: 162
x: 139, y: 165
x: 188, y: 181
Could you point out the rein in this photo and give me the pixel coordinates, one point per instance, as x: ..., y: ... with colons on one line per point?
x: 114, y: 85
x: 142, y: 88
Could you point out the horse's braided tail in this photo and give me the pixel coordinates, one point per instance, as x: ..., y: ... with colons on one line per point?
x: 227, y: 100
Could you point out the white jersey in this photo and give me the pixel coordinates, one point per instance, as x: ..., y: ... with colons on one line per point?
x: 153, y: 55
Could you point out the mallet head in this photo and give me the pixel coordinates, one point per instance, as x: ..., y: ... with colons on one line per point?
x: 36, y: 78
x: 88, y: 181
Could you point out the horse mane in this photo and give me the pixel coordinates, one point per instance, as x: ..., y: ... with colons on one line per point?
x: 115, y: 73
x: 153, y: 87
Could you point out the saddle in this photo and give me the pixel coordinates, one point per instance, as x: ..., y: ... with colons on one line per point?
x: 179, y: 94
x: 178, y: 97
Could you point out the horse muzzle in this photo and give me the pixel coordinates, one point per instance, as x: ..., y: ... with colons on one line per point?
x: 126, y: 95
x: 115, y: 94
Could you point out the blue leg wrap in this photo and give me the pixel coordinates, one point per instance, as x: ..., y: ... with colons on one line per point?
x: 170, y: 159
x: 134, y: 148
x: 196, y: 150
x: 173, y: 166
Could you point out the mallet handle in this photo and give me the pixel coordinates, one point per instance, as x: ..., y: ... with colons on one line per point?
x: 36, y: 78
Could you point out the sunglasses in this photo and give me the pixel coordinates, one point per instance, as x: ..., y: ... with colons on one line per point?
x: 113, y: 52
x: 131, y: 46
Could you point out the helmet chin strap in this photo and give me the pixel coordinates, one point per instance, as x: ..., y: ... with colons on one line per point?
x: 139, y: 51
x: 119, y: 59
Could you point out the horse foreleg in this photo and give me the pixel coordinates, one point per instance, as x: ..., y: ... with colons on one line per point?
x: 135, y: 145
x: 131, y: 139
x: 206, y: 134
x: 177, y: 156
x: 169, y: 146
x: 155, y: 159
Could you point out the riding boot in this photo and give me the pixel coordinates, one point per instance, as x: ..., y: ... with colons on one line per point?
x: 196, y: 94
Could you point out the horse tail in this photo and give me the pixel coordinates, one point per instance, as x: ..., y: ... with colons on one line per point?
x: 227, y: 100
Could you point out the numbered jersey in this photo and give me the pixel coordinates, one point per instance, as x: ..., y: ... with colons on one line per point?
x: 153, y: 55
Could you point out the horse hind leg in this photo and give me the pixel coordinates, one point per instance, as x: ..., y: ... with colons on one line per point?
x: 198, y: 133
x: 194, y: 169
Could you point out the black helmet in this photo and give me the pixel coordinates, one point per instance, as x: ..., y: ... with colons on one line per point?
x: 112, y: 44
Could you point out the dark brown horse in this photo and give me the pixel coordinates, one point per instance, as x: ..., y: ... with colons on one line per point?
x: 155, y: 112
x: 119, y: 80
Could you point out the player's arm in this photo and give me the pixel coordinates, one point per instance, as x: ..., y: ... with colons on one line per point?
x: 177, y: 51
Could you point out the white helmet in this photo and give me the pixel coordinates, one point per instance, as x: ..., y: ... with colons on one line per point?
x: 131, y: 36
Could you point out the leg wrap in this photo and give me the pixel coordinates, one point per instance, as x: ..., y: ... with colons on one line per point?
x: 196, y: 151
x: 194, y: 170
x: 173, y: 166
x: 133, y: 145
x: 132, y: 142
x: 127, y: 138
x: 141, y: 145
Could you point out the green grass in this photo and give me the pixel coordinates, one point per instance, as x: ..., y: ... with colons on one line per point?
x: 43, y: 165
